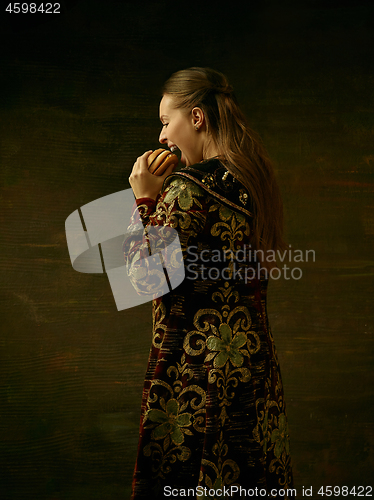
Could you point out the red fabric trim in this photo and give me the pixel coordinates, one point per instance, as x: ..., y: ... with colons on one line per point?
x: 145, y: 201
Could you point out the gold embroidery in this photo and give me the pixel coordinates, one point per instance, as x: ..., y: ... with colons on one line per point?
x: 158, y: 314
x: 228, y: 345
x: 204, y: 364
x: 243, y: 196
x: 225, y: 473
x: 208, y: 180
x: 170, y: 422
x: 185, y: 191
x: 233, y: 230
x: 271, y: 432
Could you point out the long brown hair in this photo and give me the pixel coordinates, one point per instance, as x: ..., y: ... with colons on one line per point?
x: 240, y: 147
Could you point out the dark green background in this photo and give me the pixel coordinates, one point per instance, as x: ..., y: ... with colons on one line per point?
x: 79, y: 103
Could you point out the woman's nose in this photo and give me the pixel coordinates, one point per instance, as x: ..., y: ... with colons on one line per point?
x: 162, y: 137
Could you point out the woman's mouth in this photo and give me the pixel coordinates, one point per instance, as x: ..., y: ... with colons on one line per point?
x: 174, y: 149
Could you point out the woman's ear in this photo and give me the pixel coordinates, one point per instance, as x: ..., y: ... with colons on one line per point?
x: 198, y: 118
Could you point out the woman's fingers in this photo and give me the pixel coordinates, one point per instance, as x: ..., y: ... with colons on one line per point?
x: 143, y: 183
x: 141, y: 162
x: 143, y: 158
x: 140, y: 165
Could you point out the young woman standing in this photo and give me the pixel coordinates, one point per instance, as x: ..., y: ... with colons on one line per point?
x: 213, y: 413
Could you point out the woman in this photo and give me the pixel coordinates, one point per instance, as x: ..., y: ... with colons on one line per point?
x: 213, y: 414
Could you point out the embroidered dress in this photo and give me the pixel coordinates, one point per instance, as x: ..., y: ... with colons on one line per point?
x: 213, y: 413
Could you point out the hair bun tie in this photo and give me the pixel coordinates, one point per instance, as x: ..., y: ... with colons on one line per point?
x: 226, y: 90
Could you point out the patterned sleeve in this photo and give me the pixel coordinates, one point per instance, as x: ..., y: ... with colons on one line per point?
x: 180, y: 211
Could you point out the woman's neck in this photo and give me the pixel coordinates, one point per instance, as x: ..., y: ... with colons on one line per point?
x: 211, y: 151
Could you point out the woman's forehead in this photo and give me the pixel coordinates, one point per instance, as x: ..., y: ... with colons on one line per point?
x: 169, y: 108
x: 165, y: 105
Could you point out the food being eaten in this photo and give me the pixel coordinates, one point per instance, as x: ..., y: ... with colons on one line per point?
x: 160, y: 160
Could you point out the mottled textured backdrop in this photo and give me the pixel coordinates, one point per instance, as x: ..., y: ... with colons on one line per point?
x: 78, y: 103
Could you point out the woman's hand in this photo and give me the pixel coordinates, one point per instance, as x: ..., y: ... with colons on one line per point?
x: 143, y: 183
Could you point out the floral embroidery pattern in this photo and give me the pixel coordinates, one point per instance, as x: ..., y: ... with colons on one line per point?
x: 225, y: 472
x: 186, y: 193
x: 271, y: 432
x: 280, y: 437
x: 171, y: 422
x: 232, y: 227
x: 227, y: 346
x: 213, y: 408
